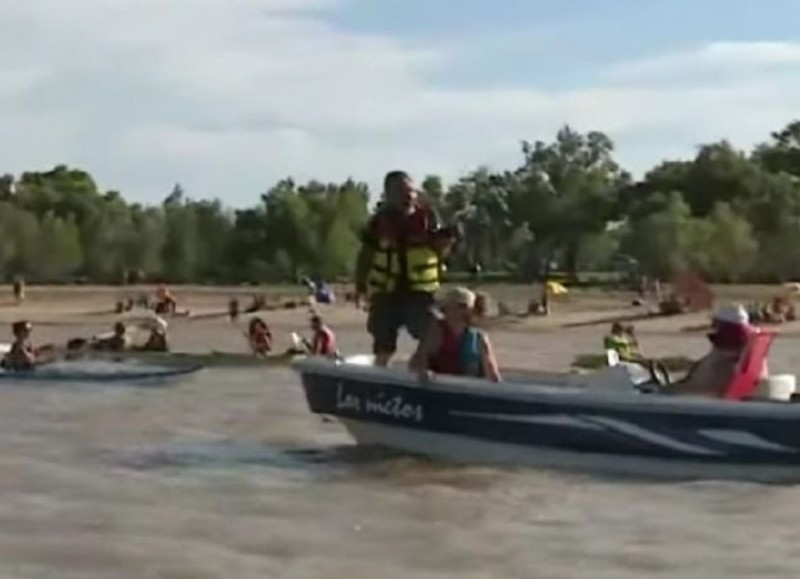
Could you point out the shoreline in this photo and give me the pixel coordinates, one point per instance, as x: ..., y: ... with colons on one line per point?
x: 60, y: 313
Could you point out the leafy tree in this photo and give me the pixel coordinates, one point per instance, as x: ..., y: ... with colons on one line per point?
x: 433, y: 192
x: 179, y: 253
x: 782, y: 154
x: 566, y: 190
x: 729, y: 214
x: 779, y: 255
x: 58, y: 247
x: 479, y: 203
x: 728, y: 244
x: 663, y: 241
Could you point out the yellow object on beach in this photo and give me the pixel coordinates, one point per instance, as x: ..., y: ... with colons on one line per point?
x: 556, y: 289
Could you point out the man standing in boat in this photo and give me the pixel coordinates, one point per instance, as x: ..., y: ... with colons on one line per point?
x: 400, y: 265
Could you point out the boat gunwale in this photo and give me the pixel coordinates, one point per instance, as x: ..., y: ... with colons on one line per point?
x: 207, y: 359
x: 567, y: 394
x: 164, y: 374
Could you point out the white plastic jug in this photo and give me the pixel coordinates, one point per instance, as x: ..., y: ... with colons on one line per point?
x: 778, y: 387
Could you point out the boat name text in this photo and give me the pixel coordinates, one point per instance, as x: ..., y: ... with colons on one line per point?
x: 391, y: 406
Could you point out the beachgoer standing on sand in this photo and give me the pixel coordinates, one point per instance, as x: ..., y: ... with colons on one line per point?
x: 233, y: 309
x: 19, y: 290
x: 399, y: 266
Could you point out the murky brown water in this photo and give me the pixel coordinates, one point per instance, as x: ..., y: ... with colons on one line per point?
x: 228, y: 476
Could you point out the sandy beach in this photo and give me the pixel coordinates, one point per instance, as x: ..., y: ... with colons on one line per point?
x: 576, y: 325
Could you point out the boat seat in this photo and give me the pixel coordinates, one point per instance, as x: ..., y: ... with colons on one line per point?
x: 750, y: 366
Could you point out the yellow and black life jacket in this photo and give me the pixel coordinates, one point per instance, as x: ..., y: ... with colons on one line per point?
x: 414, y: 253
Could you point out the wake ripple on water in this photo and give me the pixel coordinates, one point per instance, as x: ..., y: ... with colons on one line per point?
x: 351, y: 463
x: 233, y: 454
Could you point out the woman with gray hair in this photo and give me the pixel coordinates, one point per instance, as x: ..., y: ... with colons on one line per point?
x: 455, y: 345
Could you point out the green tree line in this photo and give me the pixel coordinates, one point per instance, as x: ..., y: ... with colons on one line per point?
x: 730, y: 215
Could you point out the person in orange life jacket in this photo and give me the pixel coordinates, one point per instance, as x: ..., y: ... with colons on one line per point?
x: 399, y: 266
x: 323, y: 342
x: 259, y: 336
x: 455, y: 345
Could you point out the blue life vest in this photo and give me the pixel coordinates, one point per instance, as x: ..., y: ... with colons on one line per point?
x: 470, y: 354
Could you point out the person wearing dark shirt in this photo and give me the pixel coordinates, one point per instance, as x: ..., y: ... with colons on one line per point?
x: 116, y: 342
x: 22, y: 355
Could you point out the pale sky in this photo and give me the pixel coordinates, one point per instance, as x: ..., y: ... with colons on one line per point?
x: 227, y: 96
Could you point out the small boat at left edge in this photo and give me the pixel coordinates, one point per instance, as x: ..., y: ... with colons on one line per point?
x: 101, y: 372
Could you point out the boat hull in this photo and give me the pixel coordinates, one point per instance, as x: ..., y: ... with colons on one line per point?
x: 210, y: 359
x: 470, y: 450
x: 524, y: 423
x: 207, y: 359
x: 100, y: 372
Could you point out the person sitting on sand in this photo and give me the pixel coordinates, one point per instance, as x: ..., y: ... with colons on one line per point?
x: 116, y: 342
x: 259, y: 337
x: 22, y: 355
x: 711, y: 375
x: 454, y: 345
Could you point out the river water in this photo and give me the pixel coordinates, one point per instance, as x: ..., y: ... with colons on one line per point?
x: 228, y: 476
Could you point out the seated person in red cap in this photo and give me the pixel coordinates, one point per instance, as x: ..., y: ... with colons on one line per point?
x: 711, y: 375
